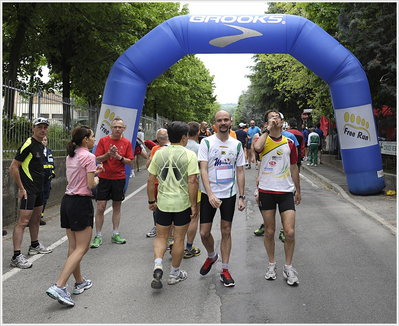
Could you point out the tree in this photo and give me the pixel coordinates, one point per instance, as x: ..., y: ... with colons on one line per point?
x: 369, y: 31
x: 20, y: 22
x: 183, y: 92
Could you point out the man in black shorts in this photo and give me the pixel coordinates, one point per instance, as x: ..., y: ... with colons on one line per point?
x: 278, y: 186
x: 27, y: 170
x: 114, y: 151
x: 222, y: 163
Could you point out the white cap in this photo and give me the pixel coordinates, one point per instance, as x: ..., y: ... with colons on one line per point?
x: 40, y: 120
x: 242, y: 124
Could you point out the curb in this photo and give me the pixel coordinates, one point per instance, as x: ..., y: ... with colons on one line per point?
x: 345, y: 195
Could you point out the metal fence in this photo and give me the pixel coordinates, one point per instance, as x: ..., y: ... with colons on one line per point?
x: 33, y: 103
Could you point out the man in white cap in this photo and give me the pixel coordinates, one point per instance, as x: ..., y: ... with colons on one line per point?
x: 27, y: 170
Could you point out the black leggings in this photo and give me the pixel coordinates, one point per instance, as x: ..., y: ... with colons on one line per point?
x: 226, y: 209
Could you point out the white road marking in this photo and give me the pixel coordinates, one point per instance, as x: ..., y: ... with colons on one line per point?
x: 31, y: 259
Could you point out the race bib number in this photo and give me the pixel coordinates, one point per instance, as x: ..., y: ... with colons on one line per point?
x: 224, y: 174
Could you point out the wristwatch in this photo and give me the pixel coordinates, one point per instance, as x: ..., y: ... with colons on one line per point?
x: 121, y: 159
x: 243, y: 197
x: 265, y: 130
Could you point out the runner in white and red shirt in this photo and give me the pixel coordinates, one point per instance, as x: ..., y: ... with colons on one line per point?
x: 278, y: 185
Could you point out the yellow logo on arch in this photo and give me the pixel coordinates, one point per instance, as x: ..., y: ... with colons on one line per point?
x: 356, y: 127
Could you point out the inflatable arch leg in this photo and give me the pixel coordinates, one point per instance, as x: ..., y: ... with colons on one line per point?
x: 167, y: 43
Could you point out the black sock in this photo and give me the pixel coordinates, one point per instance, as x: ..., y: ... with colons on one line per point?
x: 34, y: 244
x: 16, y: 253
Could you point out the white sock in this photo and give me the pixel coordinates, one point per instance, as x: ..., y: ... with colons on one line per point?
x: 287, y: 266
x: 158, y: 261
x: 175, y: 270
x: 115, y: 232
x: 98, y: 234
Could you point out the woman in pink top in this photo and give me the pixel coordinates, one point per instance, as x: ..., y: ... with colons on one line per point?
x: 77, y: 212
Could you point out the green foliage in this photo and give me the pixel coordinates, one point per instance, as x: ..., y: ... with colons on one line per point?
x: 80, y: 42
x: 184, y: 92
x: 369, y: 31
x: 366, y: 29
x: 17, y: 129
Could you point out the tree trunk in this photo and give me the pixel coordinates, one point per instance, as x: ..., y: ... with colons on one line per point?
x: 15, y: 53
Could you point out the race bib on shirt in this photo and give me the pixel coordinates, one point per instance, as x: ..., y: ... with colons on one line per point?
x: 224, y: 174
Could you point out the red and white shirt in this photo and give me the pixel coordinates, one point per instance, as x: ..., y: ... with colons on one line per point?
x: 275, y: 170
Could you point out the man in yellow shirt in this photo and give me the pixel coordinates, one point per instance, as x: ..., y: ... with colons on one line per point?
x: 176, y: 169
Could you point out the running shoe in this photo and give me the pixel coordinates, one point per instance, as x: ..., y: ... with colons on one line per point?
x: 271, y: 272
x: 281, y: 235
x: 80, y: 287
x: 21, y: 262
x: 97, y: 241
x: 40, y: 249
x: 208, y: 265
x: 289, y: 275
x: 174, y: 279
x: 118, y: 239
x: 60, y: 294
x: 260, y: 231
x: 152, y: 233
x: 226, y: 278
x: 191, y: 253
x: 157, y: 277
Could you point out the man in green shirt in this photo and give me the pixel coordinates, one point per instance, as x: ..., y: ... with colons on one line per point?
x: 176, y: 169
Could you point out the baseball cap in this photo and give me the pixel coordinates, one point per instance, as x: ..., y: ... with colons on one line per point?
x: 38, y: 121
x: 242, y: 124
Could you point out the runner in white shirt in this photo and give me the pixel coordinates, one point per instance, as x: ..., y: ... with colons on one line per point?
x: 222, y: 163
x: 279, y: 185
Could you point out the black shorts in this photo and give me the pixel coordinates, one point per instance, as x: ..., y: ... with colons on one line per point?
x: 77, y: 212
x: 33, y: 200
x: 111, y: 189
x: 249, y: 145
x: 208, y: 212
x: 179, y: 218
x: 268, y: 201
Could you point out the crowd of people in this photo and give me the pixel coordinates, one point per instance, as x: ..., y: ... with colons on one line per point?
x: 193, y: 171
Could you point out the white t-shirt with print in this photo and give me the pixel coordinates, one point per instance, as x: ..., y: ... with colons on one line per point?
x: 222, y: 158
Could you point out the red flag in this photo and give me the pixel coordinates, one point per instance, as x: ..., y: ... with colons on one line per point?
x: 324, y: 125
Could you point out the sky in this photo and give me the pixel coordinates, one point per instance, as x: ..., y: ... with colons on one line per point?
x: 229, y: 69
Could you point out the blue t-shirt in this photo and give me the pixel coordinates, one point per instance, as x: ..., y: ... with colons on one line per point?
x: 305, y: 134
x: 290, y: 136
x: 321, y: 135
x: 251, y: 132
x: 241, y: 136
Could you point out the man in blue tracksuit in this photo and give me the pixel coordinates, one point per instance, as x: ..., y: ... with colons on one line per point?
x: 48, y: 165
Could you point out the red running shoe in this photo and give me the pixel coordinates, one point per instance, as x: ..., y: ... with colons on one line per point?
x: 208, y: 265
x: 226, y: 278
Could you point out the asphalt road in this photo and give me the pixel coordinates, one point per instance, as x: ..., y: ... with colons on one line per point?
x: 346, y: 263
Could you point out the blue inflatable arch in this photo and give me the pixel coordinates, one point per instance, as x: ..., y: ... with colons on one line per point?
x: 126, y: 85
